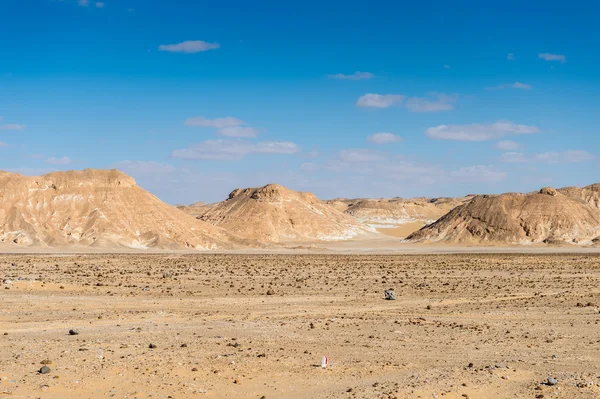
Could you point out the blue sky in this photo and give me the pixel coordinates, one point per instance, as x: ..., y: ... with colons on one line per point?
x: 342, y: 98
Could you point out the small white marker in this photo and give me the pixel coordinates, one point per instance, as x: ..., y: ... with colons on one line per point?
x: 324, y: 362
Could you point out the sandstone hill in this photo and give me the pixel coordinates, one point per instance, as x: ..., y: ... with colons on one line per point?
x: 274, y: 213
x: 398, y: 210
x: 96, y: 208
x: 548, y: 216
x: 590, y: 194
x: 195, y: 209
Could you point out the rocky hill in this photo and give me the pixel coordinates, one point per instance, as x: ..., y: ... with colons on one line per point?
x: 548, y: 216
x: 100, y: 208
x: 274, y: 213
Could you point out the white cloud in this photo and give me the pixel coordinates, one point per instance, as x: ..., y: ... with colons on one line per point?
x: 189, y: 47
x: 570, y: 156
x: 516, y: 85
x: 440, y: 102
x: 59, y: 161
x: 379, y: 100
x: 3, y: 144
x: 383, y: 138
x: 478, y: 173
x: 218, y: 123
x: 510, y: 57
x: 552, y: 57
x: 234, y: 149
x: 355, y: 76
x: 479, y: 132
x: 83, y: 3
x: 99, y: 4
x: 507, y: 145
x: 237, y: 131
x: 446, y: 66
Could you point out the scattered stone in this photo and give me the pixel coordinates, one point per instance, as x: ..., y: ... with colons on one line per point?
x: 152, y: 346
x: 184, y: 345
x: 47, y: 361
x: 73, y: 332
x: 270, y: 292
x: 552, y: 381
x: 390, y: 295
x: 45, y: 370
x: 166, y: 274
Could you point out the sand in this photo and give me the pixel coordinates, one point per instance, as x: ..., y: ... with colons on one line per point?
x: 464, y: 325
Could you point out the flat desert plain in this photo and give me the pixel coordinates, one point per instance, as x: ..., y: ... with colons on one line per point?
x: 257, y: 326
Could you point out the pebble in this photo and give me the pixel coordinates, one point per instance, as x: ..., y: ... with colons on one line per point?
x: 390, y: 295
x: 73, y: 332
x: 152, y: 346
x: 46, y: 361
x: 270, y: 292
x: 45, y: 370
x: 552, y: 381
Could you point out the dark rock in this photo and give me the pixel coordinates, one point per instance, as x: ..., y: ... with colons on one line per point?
x: 73, y: 332
x: 390, y: 295
x: 45, y: 370
x: 152, y: 346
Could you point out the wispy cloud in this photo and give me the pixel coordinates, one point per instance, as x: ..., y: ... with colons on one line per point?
x: 478, y: 173
x: 234, y: 149
x: 100, y: 4
x: 510, y: 57
x: 355, y: 76
x: 228, y: 126
x: 12, y: 126
x: 379, y: 100
x: 384, y: 138
x: 189, y: 47
x: 238, y: 131
x: 570, y: 156
x: 552, y: 57
x: 437, y: 102
x: 507, y: 145
x: 3, y: 144
x: 479, y: 132
x: 83, y: 3
x: 516, y: 85
x: 219, y: 123
x: 433, y: 103
x: 360, y: 155
x: 59, y: 161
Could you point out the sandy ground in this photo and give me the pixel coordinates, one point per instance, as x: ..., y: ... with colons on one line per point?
x: 402, y: 230
x: 464, y: 325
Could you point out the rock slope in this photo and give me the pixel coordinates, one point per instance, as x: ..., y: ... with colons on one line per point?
x: 100, y: 208
x: 274, y: 213
x: 548, y: 216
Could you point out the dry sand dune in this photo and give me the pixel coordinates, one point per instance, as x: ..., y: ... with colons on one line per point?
x: 101, y: 208
x: 547, y: 216
x: 274, y: 213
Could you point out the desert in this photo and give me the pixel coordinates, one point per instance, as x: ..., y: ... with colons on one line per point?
x: 487, y: 325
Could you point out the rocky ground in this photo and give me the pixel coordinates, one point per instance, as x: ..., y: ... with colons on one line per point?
x: 253, y: 326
